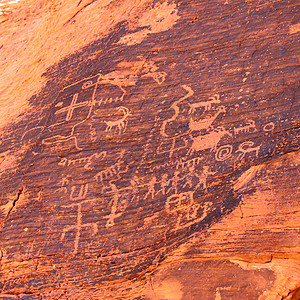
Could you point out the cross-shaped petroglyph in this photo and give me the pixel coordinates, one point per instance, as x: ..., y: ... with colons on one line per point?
x: 79, y: 225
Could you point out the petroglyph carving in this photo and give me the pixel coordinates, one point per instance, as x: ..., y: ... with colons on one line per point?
x: 189, y: 216
x: 158, y: 77
x: 176, y: 109
x: 223, y: 153
x: 134, y: 187
x: 83, y: 189
x: 245, y: 148
x: 269, y: 127
x: 161, y: 150
x: 183, y: 163
x: 151, y: 187
x: 112, y: 171
x: 88, y: 84
x: 178, y: 202
x: 70, y: 109
x: 207, y: 122
x: 114, y: 205
x: 121, y: 123
x: 243, y: 129
x: 206, y: 104
x: 101, y: 101
x: 87, y: 160
x: 174, y: 182
x: 203, y: 177
x: 78, y: 226
x: 64, y: 182
x: 208, y: 141
x: 184, y: 206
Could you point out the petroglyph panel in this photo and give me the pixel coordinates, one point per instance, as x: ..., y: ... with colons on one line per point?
x: 134, y: 150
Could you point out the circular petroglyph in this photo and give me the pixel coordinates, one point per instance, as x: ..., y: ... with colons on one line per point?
x: 224, y: 152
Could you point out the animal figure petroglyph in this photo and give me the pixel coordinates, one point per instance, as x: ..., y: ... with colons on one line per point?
x: 176, y: 109
x: 206, y: 104
x: 246, y: 147
x: 121, y: 123
x: 208, y: 141
x: 243, y: 129
x: 205, y: 123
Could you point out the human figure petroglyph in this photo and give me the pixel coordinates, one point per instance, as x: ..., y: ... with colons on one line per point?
x: 215, y: 99
x: 203, y: 177
x: 207, y: 122
x: 134, y: 186
x: 78, y: 226
x: 164, y: 183
x: 151, y: 187
x: 208, y: 141
x: 245, y: 148
x: 176, y: 109
x: 174, y: 182
x: 114, y: 205
x: 244, y: 129
x: 121, y: 123
x: 189, y: 177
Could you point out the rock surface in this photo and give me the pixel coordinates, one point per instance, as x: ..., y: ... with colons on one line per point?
x: 149, y: 150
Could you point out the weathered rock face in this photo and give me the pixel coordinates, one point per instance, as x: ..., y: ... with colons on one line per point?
x: 143, y: 138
